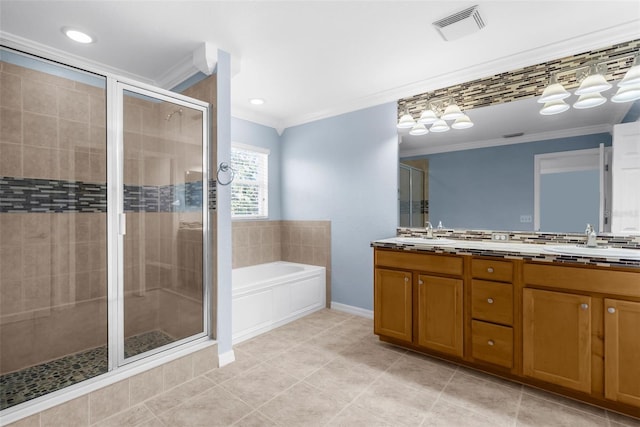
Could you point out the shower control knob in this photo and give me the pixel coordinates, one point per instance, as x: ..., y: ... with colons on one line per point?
x: 490, y: 300
x: 611, y: 310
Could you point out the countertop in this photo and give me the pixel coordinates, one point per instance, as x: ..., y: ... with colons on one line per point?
x: 553, y: 253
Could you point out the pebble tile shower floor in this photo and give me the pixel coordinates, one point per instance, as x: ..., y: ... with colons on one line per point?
x: 26, y: 384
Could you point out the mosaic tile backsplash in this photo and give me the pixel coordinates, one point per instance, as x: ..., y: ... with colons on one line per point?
x: 29, y: 195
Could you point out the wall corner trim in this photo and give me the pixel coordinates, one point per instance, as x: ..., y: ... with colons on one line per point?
x: 226, y: 358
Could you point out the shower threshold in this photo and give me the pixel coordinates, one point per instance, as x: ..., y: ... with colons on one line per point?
x: 35, y: 381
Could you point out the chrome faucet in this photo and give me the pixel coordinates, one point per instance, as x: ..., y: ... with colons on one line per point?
x: 591, y: 236
x: 429, y: 229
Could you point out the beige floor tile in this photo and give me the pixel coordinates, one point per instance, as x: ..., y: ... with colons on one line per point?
x: 623, y: 420
x: 359, y: 327
x: 354, y: 416
x: 302, y: 405
x: 133, y: 416
x: 215, y: 407
x: 264, y: 347
x: 326, y: 318
x: 260, y: 384
x: 343, y: 379
x: 153, y: 422
x: 537, y: 412
x: 174, y: 397
x: 331, y: 341
x: 302, y: 361
x: 370, y: 354
x: 244, y: 361
x: 422, y: 372
x: 296, y: 331
x: 254, y: 419
x: 486, y: 398
x: 565, y: 401
x: 397, y: 402
x: 445, y: 414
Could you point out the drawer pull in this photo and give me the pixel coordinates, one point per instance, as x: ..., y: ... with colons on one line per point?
x: 611, y: 310
x: 584, y: 306
x: 490, y: 270
x: 491, y: 342
x: 490, y: 300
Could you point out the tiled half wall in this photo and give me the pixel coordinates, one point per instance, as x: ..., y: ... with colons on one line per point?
x: 306, y: 242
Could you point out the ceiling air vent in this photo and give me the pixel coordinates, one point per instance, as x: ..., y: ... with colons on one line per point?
x: 460, y: 24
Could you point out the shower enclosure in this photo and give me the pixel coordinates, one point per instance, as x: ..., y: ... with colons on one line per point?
x: 103, y: 224
x: 412, y: 203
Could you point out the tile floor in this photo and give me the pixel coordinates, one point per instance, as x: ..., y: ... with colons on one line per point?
x: 329, y: 369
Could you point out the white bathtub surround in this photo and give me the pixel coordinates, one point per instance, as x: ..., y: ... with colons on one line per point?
x: 266, y: 296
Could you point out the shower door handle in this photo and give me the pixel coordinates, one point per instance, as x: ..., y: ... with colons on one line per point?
x: 122, y: 224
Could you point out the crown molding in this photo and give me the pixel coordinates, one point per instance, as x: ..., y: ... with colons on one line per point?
x: 177, y: 74
x: 596, y: 40
x: 261, y: 119
x: 534, y: 137
x: 53, y: 54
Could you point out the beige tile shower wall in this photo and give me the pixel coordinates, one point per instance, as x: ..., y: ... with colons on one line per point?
x: 306, y: 242
x: 52, y: 265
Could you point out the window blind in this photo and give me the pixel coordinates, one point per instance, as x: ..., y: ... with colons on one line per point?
x: 249, y: 189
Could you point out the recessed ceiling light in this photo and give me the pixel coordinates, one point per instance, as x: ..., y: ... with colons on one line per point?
x: 256, y: 101
x: 77, y: 35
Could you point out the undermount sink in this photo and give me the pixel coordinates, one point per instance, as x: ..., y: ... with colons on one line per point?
x: 434, y: 241
x: 601, y: 251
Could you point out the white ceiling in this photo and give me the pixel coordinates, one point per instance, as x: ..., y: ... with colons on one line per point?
x: 314, y: 59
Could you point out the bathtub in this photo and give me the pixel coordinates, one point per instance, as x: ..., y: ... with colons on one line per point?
x: 266, y: 296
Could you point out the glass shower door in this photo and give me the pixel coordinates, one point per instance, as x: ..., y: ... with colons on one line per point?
x: 163, y: 171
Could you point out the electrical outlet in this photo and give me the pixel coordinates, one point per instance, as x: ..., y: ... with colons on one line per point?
x: 500, y: 237
x: 526, y: 218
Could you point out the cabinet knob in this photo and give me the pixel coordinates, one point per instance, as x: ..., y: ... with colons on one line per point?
x: 406, y: 279
x: 420, y: 282
x: 584, y: 306
x: 490, y: 270
x: 611, y: 310
x: 491, y: 342
x: 490, y: 300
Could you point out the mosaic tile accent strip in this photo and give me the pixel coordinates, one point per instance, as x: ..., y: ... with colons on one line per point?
x: 27, y: 195
x: 527, y: 82
x: 30, y: 383
x: 23, y: 195
x: 213, y: 191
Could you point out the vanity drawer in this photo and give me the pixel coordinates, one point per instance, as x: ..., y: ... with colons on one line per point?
x: 492, y: 343
x: 492, y: 301
x: 489, y: 269
x: 443, y: 264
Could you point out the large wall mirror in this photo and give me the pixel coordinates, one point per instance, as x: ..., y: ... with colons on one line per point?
x: 516, y: 169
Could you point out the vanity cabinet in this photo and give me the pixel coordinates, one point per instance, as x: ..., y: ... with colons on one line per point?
x: 440, y: 314
x: 492, y: 311
x: 557, y: 338
x: 418, y: 299
x: 622, y: 351
x: 392, y: 299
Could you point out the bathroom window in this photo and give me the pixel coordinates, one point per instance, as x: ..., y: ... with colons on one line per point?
x: 249, y: 189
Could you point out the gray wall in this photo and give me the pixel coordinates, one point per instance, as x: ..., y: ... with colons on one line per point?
x: 345, y: 169
x: 490, y: 188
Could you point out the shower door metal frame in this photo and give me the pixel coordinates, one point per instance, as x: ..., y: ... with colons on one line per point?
x: 116, y: 217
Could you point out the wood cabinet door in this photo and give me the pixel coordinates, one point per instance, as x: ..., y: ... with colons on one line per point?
x: 440, y: 317
x: 622, y: 351
x: 392, y: 304
x: 557, y: 338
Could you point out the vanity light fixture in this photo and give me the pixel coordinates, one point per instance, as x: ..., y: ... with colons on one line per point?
x: 418, y: 129
x: 589, y: 100
x: 77, y: 35
x: 406, y: 121
x: 592, y: 82
x: 436, y: 114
